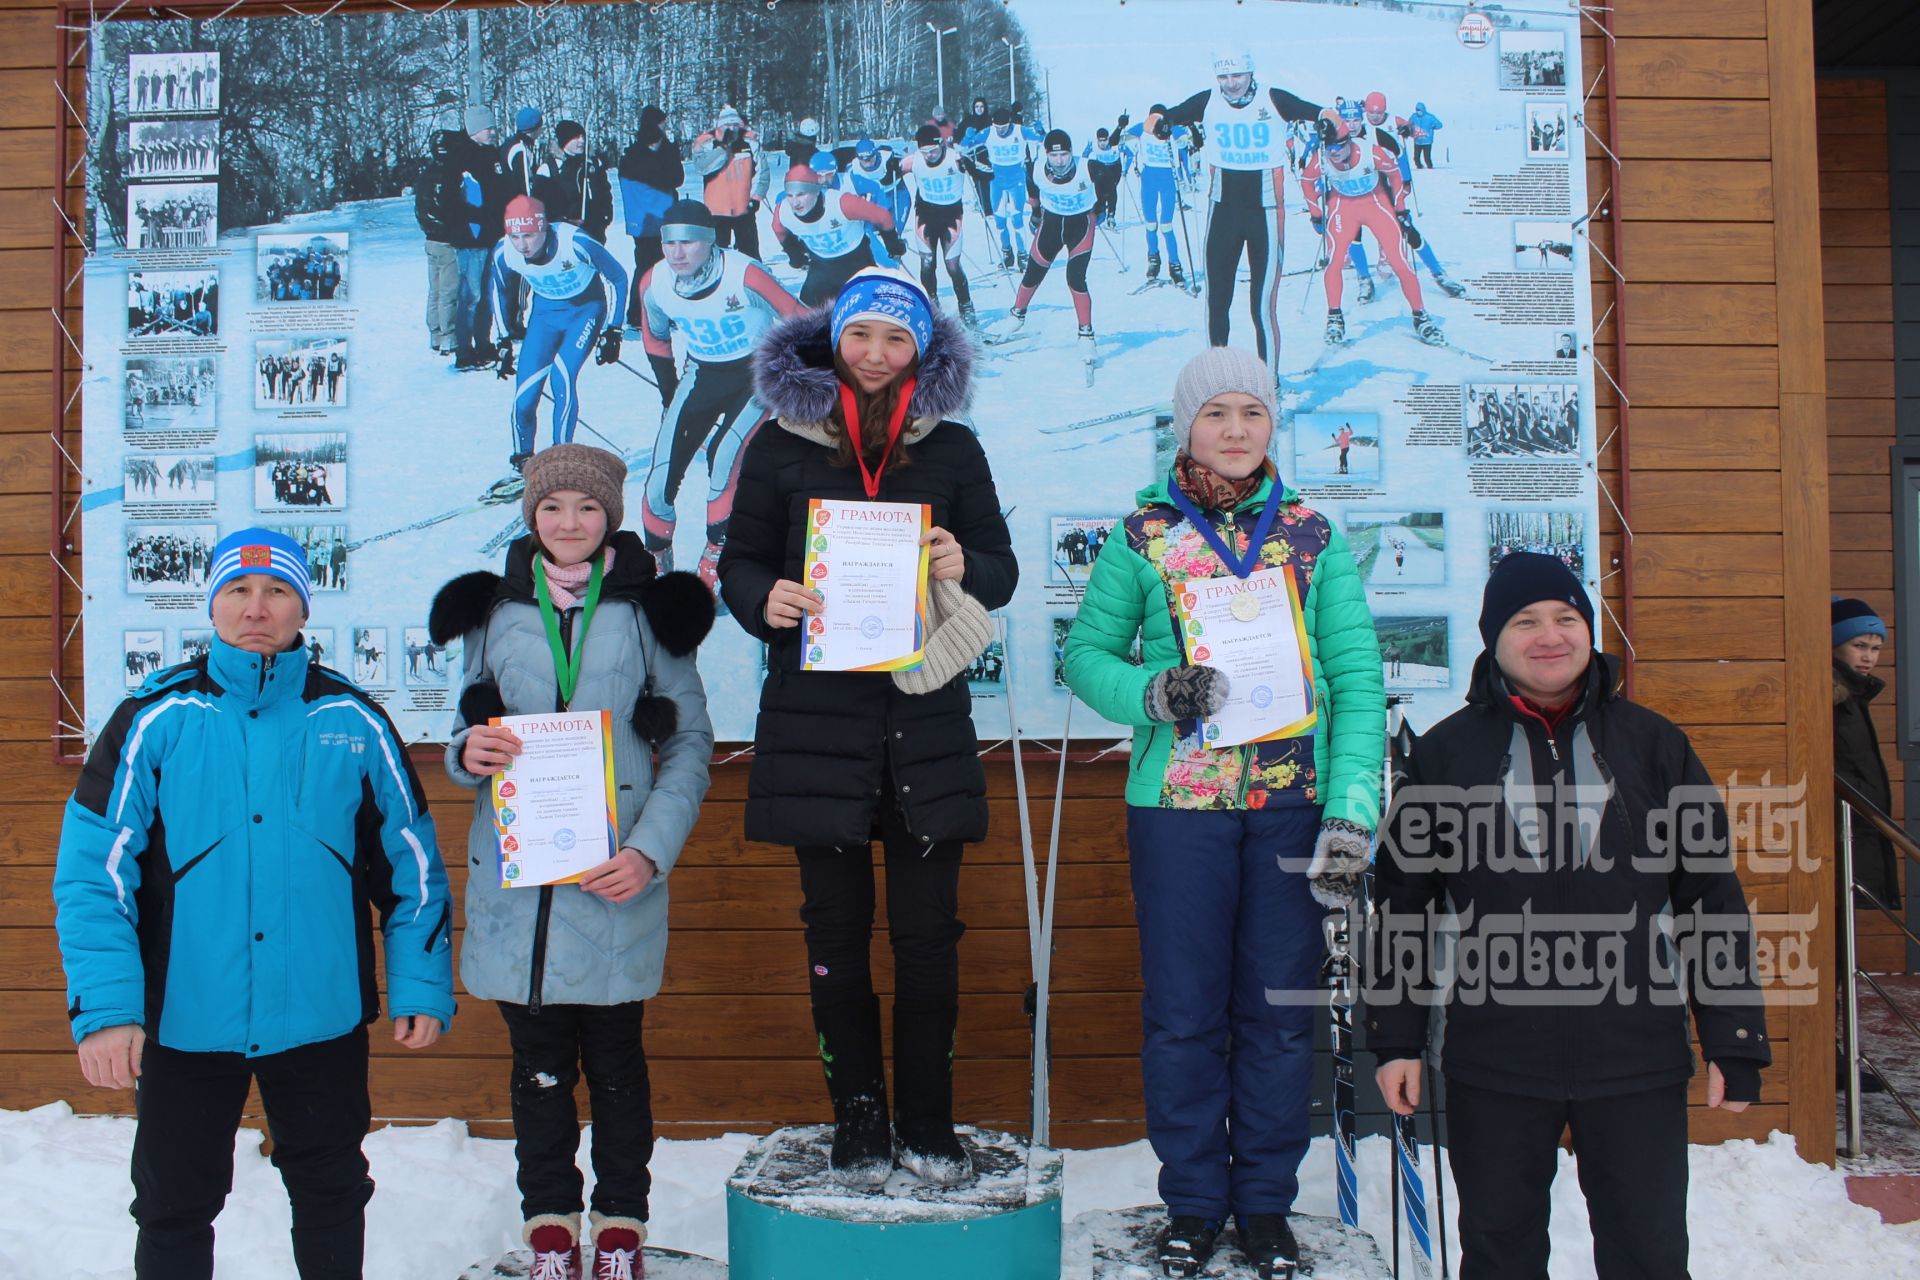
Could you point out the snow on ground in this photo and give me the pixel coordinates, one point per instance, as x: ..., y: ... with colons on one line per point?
x: 446, y: 1199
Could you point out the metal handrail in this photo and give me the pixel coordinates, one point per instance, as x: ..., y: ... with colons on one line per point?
x: 1882, y: 821
x: 1853, y: 801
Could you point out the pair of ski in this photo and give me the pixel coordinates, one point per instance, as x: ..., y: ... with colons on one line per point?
x: 1191, y: 286
x: 1409, y: 1192
x: 991, y: 339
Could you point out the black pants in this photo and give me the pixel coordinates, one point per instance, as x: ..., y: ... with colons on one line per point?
x: 1243, y: 227
x: 1423, y: 155
x: 738, y: 231
x: 923, y: 920
x: 189, y: 1107
x: 1632, y: 1160
x: 646, y: 252
x: 550, y: 1048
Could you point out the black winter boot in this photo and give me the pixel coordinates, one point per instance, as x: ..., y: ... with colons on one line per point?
x: 856, y: 1080
x: 924, y: 1140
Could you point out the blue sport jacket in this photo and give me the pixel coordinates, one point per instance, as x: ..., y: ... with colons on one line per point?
x: 241, y: 825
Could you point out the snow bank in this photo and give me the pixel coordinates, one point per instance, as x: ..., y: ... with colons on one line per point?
x: 446, y: 1199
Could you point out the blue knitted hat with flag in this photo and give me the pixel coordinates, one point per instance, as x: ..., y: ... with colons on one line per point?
x: 265, y: 551
x: 879, y: 294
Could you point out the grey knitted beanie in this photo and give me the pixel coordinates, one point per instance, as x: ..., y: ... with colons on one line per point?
x: 582, y: 468
x: 1212, y: 372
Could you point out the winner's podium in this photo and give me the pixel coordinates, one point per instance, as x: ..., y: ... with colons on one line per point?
x: 787, y: 1219
x: 1118, y: 1244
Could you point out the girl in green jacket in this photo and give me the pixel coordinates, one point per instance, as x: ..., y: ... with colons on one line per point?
x: 1236, y: 850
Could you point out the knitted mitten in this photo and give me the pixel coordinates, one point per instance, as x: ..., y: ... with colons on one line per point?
x: 1182, y: 693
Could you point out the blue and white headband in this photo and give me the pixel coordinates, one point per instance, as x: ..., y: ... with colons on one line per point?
x: 879, y: 294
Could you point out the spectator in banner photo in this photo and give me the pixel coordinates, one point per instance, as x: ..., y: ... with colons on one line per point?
x: 216, y: 925
x: 1550, y: 797
x: 866, y: 393
x: 1424, y: 125
x: 523, y: 152
x: 727, y: 158
x: 476, y: 187
x: 1237, y: 852
x: 436, y: 206
x: 651, y: 173
x: 572, y: 965
x: 573, y: 186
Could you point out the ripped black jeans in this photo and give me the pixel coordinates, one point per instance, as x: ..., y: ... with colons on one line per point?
x: 551, y: 1048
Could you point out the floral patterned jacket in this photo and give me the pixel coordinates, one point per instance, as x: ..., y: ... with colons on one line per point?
x: 1338, y: 766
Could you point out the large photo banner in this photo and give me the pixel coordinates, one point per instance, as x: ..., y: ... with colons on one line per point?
x: 302, y: 288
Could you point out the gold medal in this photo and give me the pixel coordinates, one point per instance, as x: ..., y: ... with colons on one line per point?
x: 1246, y: 606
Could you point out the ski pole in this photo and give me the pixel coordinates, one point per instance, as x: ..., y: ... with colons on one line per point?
x: 1439, y: 1171
x: 636, y: 373
x: 1038, y: 1123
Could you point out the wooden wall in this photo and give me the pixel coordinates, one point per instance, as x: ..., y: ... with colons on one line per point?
x: 1727, y: 506
x: 1856, y: 261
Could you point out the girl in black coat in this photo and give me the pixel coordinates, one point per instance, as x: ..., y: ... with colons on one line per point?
x: 840, y: 757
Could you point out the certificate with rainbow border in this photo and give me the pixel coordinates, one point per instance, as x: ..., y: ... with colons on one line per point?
x: 553, y: 806
x: 1254, y: 631
x: 867, y: 561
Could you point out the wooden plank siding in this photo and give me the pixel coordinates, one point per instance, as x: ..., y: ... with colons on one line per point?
x: 1717, y: 441
x: 1856, y: 254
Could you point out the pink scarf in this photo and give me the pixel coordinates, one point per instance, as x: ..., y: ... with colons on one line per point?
x: 569, y: 585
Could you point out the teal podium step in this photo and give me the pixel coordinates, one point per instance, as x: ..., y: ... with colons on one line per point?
x: 788, y: 1220
x: 1118, y: 1244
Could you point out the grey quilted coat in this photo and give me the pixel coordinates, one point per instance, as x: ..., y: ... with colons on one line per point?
x: 560, y: 944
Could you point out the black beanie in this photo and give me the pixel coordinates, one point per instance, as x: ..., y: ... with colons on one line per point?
x: 1524, y: 578
x: 567, y: 130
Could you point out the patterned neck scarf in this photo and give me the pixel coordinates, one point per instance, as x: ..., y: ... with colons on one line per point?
x: 1211, y: 490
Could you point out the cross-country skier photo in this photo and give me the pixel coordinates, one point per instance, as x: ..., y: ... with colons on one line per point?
x: 719, y: 301
x: 579, y: 298
x: 933, y: 174
x: 1063, y: 219
x: 829, y: 232
x: 1352, y: 182
x: 1242, y: 126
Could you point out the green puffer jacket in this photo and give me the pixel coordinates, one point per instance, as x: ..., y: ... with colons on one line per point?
x: 1171, y: 768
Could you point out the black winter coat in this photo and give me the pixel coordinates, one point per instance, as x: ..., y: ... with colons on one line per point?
x: 825, y: 740
x: 1586, y: 1013
x: 1856, y: 757
x: 575, y: 189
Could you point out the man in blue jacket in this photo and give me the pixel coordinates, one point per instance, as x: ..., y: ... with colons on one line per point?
x: 240, y: 821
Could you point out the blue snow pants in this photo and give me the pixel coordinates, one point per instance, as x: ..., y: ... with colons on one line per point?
x: 560, y: 336
x: 1230, y: 955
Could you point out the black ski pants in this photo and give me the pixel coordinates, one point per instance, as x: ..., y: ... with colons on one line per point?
x: 923, y: 916
x: 550, y: 1050
x: 1631, y: 1154
x: 189, y: 1107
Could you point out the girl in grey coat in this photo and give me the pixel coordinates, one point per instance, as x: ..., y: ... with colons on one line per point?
x: 571, y: 964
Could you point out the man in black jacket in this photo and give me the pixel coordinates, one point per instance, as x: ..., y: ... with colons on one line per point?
x: 1582, y: 850
x: 573, y: 186
x: 474, y: 189
x: 651, y: 173
x: 435, y: 194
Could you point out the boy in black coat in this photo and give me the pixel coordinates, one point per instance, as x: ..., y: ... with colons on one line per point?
x: 1584, y: 851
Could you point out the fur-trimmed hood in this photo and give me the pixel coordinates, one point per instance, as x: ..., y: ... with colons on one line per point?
x: 678, y: 606
x: 793, y: 374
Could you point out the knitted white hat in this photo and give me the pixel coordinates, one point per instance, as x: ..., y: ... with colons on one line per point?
x: 1214, y: 371
x: 958, y: 631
